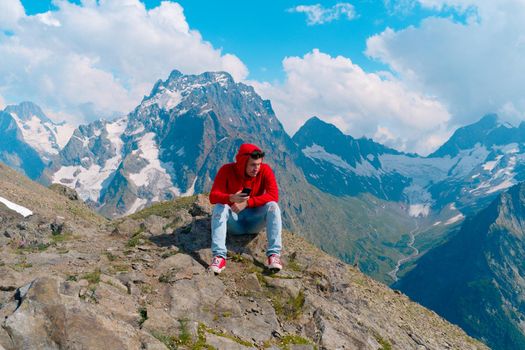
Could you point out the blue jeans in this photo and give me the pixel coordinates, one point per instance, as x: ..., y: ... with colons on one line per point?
x: 248, y: 221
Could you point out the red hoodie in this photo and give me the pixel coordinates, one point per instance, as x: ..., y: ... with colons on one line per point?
x: 232, y: 178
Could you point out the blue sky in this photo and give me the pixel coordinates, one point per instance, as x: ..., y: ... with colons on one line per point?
x: 406, y: 73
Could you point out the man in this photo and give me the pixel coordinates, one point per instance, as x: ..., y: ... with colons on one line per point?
x: 244, y: 213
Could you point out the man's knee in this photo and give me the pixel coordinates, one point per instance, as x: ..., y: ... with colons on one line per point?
x: 219, y: 210
x: 272, y: 207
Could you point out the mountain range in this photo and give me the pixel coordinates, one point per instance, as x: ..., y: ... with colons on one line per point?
x: 370, y: 205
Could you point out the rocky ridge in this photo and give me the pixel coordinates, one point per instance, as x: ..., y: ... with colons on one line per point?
x: 141, y: 282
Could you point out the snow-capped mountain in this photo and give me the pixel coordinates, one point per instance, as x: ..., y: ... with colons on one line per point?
x: 341, y: 165
x: 171, y: 144
x: 479, y: 161
x: 38, y: 131
x: 29, y: 139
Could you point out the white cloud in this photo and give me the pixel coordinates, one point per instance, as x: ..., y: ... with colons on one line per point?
x: 10, y: 12
x: 2, y: 103
x: 475, y: 66
x: 359, y: 103
x: 317, y: 14
x: 100, y: 58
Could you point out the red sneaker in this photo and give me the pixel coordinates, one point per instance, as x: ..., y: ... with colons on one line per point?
x: 274, y: 262
x: 218, y: 264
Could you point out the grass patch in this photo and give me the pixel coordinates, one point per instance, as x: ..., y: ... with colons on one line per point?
x: 385, y: 344
x: 292, y: 339
x: 165, y: 209
x: 135, y: 239
x: 92, y: 277
x: 40, y: 247
x: 110, y: 256
x: 143, y: 314
x: 288, y: 307
x: 184, y: 339
x: 71, y: 278
x: 61, y: 237
x: 164, y: 278
x: 22, y: 266
x: 231, y: 337
x: 235, y: 257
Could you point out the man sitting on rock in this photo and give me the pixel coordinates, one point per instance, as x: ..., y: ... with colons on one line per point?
x: 245, y: 195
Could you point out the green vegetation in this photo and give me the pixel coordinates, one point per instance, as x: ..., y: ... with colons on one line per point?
x: 61, y: 237
x: 110, y: 256
x: 143, y: 314
x: 22, y: 265
x: 184, y: 339
x: 40, y: 247
x: 231, y: 337
x: 165, y: 209
x: 285, y: 306
x: 93, y: 277
x: 235, y: 257
x: 292, y: 339
x: 72, y: 278
x: 385, y: 344
x: 135, y: 239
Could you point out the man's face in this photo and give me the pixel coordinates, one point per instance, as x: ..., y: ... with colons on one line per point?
x: 253, y: 166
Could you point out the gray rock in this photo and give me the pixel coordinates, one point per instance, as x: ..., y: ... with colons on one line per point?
x: 223, y: 343
x: 155, y: 224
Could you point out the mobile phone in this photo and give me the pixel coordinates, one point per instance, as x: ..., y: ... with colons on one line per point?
x: 246, y: 191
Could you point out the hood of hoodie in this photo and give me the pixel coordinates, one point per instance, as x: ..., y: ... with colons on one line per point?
x: 241, y: 159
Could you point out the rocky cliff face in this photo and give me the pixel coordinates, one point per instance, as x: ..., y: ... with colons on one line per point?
x: 141, y: 282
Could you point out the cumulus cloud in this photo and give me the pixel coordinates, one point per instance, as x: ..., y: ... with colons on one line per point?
x: 371, y: 104
x: 101, y: 57
x: 317, y: 14
x: 474, y: 66
x: 10, y: 12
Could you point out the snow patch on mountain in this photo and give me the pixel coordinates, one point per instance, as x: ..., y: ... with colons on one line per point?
x: 467, y: 160
x: 16, y: 207
x: 62, y: 133
x: 316, y: 152
x: 454, y: 219
x: 153, y: 175
x: 137, y: 205
x: 503, y: 185
x: 490, y: 165
x: 88, y: 181
x: 416, y: 210
x: 166, y: 99
x: 191, y: 190
x: 37, y: 134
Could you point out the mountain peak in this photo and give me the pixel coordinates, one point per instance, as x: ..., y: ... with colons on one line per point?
x: 486, y: 131
x: 317, y: 125
x: 26, y: 110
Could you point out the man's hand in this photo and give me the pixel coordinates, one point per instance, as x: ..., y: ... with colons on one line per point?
x: 238, y: 197
x: 238, y: 207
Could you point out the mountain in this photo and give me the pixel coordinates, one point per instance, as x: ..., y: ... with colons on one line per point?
x: 140, y: 282
x: 476, y: 279
x: 29, y: 138
x: 171, y: 144
x: 341, y: 165
x: 40, y: 132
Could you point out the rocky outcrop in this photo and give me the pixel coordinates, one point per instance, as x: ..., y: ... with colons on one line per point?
x: 143, y: 283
